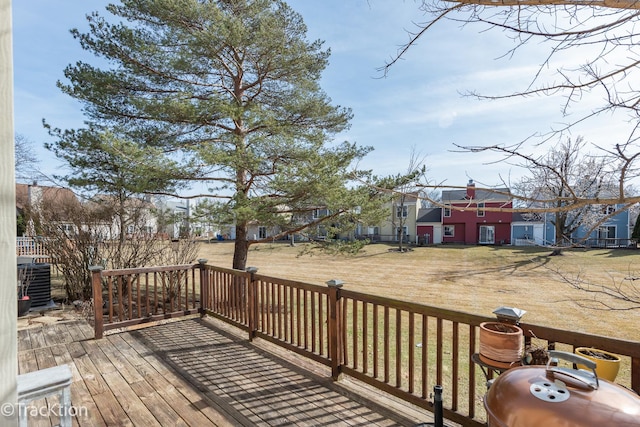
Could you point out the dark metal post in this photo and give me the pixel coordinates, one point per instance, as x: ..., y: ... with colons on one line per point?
x: 437, y: 406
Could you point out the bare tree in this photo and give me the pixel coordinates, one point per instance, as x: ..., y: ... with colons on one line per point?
x: 80, y: 235
x: 603, y: 32
x: 620, y: 293
x: 566, y: 173
x: 25, y: 159
x: 406, y: 188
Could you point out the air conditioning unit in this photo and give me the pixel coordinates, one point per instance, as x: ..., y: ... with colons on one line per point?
x: 40, y: 287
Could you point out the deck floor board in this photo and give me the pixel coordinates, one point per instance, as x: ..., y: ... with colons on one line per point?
x: 190, y: 373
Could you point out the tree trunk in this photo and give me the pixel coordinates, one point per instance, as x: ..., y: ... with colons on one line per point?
x: 241, y: 248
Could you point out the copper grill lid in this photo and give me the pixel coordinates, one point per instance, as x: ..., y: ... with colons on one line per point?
x: 532, y: 396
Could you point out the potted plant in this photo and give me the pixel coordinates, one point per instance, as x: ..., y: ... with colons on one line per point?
x: 501, y: 344
x: 607, y: 364
x: 24, y: 300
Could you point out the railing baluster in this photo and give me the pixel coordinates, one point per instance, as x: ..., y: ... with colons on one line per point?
x: 439, y: 344
x: 425, y: 354
x: 398, y: 348
x: 375, y: 341
x: 305, y: 323
x: 292, y: 315
x: 314, y: 310
x: 110, y: 297
x: 385, y: 332
x: 411, y: 351
x: 281, y: 310
x: 455, y: 362
x: 321, y: 340
x: 365, y: 337
x: 298, y: 318
x: 354, y: 332
x: 472, y: 371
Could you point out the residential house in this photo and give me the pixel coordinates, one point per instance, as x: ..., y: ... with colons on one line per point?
x: 615, y: 231
x: 539, y: 229
x: 467, y: 217
x: 401, y: 223
x: 138, y: 216
x: 33, y: 198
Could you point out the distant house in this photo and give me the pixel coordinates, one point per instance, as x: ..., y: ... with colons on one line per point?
x: 32, y: 199
x: 401, y: 223
x: 136, y: 214
x: 614, y: 232
x: 467, y: 217
x: 539, y: 229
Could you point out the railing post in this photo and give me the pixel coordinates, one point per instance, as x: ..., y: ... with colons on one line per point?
x: 333, y: 326
x: 253, y: 302
x: 204, y: 286
x: 96, y: 282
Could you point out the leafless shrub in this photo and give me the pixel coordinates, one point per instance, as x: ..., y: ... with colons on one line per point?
x: 78, y: 236
x: 620, y: 292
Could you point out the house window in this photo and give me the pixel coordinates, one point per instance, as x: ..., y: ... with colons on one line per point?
x: 449, y: 230
x: 402, y: 233
x: 608, y: 232
x: 68, y: 229
x: 609, y: 209
x: 262, y: 232
x: 446, y: 211
x: 402, y: 211
x: 487, y: 234
x: 481, y: 209
x: 320, y: 213
x: 606, y: 236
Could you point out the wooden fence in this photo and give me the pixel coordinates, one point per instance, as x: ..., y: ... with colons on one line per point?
x: 31, y: 247
x: 399, y: 347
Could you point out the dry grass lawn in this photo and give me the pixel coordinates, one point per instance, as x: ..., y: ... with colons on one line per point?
x: 472, y: 279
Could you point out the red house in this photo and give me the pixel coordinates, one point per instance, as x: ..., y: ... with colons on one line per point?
x: 470, y: 216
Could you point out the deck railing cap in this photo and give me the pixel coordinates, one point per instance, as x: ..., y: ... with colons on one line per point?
x: 335, y: 282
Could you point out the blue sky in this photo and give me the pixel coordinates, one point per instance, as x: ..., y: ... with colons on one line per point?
x: 419, y: 102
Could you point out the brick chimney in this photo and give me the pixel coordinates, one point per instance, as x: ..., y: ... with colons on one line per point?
x: 471, y: 190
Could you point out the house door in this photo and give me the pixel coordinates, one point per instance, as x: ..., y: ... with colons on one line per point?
x: 487, y: 234
x: 538, y: 234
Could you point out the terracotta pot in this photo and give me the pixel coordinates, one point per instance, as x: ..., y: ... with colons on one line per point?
x: 501, y: 344
x: 607, y: 364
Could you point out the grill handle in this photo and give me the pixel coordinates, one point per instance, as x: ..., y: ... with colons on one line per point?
x: 588, y: 378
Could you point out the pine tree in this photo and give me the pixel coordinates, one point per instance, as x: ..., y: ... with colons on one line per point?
x: 229, y: 89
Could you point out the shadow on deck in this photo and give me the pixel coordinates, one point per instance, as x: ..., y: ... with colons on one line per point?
x: 196, y: 372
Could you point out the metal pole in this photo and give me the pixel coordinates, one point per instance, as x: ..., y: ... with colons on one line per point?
x: 437, y: 406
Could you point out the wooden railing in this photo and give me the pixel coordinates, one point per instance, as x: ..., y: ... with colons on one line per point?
x: 126, y: 297
x: 399, y: 347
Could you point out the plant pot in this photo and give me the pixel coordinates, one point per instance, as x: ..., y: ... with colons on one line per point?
x: 501, y: 344
x: 607, y: 364
x: 24, y: 305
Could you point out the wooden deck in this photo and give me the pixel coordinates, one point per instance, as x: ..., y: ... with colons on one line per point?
x: 196, y: 372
